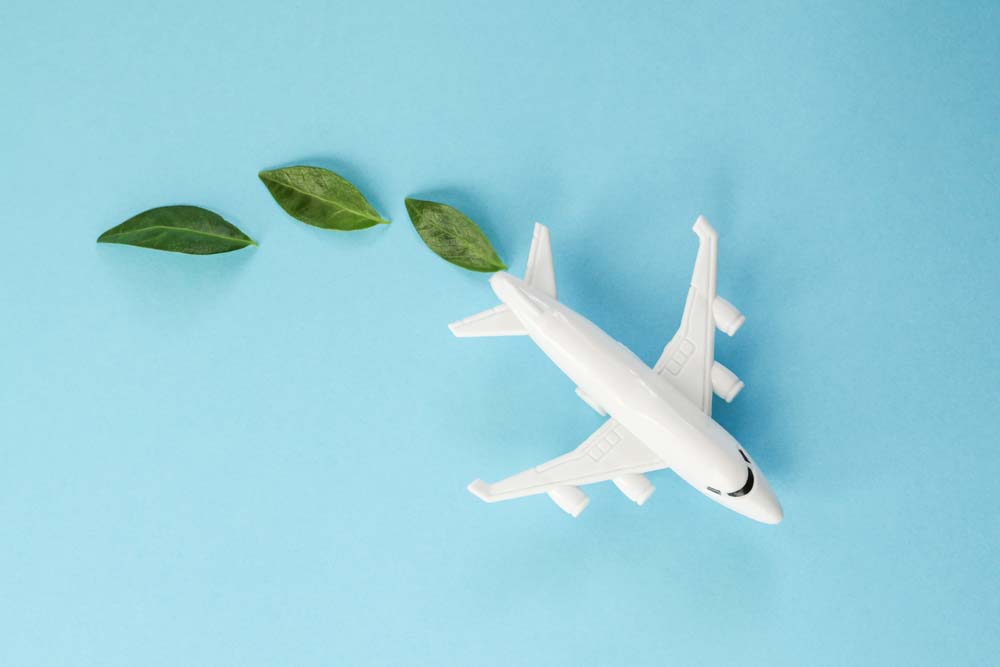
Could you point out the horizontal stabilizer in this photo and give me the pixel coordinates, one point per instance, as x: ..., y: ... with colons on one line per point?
x: 499, y: 321
x: 481, y: 490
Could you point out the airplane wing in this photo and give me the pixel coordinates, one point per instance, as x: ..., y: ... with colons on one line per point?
x: 688, y: 360
x: 611, y: 452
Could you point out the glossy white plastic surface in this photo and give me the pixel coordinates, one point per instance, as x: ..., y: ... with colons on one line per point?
x: 659, y: 417
x: 725, y: 384
x: 570, y: 499
x: 727, y: 317
x: 636, y: 488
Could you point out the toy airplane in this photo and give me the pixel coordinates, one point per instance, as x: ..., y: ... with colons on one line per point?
x: 660, y: 417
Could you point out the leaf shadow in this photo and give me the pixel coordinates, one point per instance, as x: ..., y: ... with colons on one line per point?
x: 156, y: 285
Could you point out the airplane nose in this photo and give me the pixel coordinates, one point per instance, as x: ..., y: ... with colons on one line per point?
x: 771, y: 512
x: 763, y: 504
x: 768, y: 508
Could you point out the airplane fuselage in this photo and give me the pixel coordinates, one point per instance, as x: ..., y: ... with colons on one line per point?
x: 617, y: 382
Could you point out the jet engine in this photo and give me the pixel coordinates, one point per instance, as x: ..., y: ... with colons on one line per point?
x: 727, y: 317
x: 636, y: 488
x: 725, y: 384
x: 570, y: 499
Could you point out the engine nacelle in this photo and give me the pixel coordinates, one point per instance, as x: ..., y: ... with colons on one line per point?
x: 570, y: 499
x: 636, y: 488
x: 725, y: 384
x: 727, y: 317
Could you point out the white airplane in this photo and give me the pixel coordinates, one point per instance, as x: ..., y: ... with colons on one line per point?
x: 660, y: 417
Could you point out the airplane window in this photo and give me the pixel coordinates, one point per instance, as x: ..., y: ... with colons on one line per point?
x: 743, y: 454
x: 746, y: 487
x: 715, y: 491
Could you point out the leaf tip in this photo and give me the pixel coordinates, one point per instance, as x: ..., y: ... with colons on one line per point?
x: 492, y: 269
x: 267, y: 176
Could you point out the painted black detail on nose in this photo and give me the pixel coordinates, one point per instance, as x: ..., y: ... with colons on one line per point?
x: 746, y: 487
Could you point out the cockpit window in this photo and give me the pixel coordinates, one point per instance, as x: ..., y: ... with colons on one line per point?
x: 715, y: 491
x: 746, y: 487
x: 744, y: 455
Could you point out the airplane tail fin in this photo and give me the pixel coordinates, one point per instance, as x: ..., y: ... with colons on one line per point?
x: 500, y: 321
x: 540, y: 273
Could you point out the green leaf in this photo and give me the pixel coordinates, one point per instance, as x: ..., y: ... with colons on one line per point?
x: 320, y: 198
x: 453, y: 236
x: 187, y: 229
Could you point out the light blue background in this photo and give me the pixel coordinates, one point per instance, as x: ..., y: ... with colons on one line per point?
x: 260, y: 458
